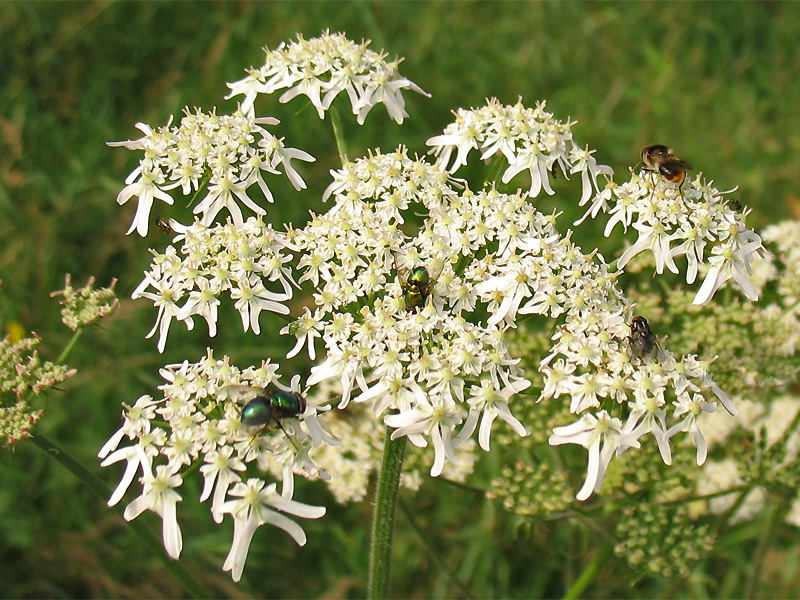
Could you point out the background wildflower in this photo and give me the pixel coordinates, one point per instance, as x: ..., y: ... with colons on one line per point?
x: 23, y: 375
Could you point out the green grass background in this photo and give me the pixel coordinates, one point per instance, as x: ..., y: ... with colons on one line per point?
x: 718, y: 81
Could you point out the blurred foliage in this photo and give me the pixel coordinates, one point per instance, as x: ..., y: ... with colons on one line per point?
x: 718, y: 81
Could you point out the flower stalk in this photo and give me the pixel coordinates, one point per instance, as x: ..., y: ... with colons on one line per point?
x: 66, y: 460
x: 338, y: 133
x: 380, y: 554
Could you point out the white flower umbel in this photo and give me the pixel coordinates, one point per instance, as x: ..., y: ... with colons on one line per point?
x: 530, y: 139
x: 692, y: 220
x: 425, y: 363
x: 227, y: 154
x: 597, y: 373
x: 591, y: 364
x: 198, y: 422
x: 239, y: 261
x: 321, y: 68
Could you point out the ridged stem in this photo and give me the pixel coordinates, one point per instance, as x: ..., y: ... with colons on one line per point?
x: 380, y: 555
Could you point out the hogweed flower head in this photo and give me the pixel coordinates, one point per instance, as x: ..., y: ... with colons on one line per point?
x: 323, y: 67
x: 226, y: 154
x: 617, y: 395
x: 200, y: 420
x: 395, y: 310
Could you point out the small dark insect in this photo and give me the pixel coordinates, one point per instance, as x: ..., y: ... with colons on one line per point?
x: 735, y: 205
x: 165, y: 227
x: 417, y: 283
x: 660, y: 159
x: 642, y: 342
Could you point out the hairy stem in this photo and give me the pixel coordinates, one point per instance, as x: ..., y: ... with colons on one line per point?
x: 380, y: 554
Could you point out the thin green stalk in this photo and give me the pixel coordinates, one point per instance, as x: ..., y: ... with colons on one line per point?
x: 66, y: 460
x: 433, y: 556
x: 70, y: 345
x: 770, y: 520
x: 497, y: 170
x: 380, y: 552
x: 338, y: 133
x: 589, y: 573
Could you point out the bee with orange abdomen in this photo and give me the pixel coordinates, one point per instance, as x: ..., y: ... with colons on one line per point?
x: 662, y: 160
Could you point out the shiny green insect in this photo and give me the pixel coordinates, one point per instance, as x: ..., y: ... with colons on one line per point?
x: 417, y: 283
x: 270, y: 406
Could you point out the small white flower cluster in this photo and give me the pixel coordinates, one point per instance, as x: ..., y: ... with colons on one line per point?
x: 619, y: 396
x: 234, y: 259
x: 228, y: 153
x: 674, y: 220
x: 421, y: 362
x: 530, y: 139
x: 323, y: 67
x: 198, y: 421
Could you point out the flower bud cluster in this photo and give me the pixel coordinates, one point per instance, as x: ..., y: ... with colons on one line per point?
x: 86, y: 305
x: 23, y: 373
x: 661, y: 541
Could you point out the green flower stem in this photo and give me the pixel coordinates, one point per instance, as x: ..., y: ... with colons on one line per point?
x: 769, y: 522
x: 70, y: 345
x: 589, y: 573
x: 380, y: 552
x: 433, y: 556
x: 177, y: 570
x: 497, y: 170
x: 338, y: 133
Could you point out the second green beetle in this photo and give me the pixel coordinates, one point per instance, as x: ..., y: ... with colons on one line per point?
x: 417, y: 283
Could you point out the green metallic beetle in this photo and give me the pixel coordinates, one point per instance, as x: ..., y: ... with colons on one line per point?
x: 269, y: 406
x: 417, y: 283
